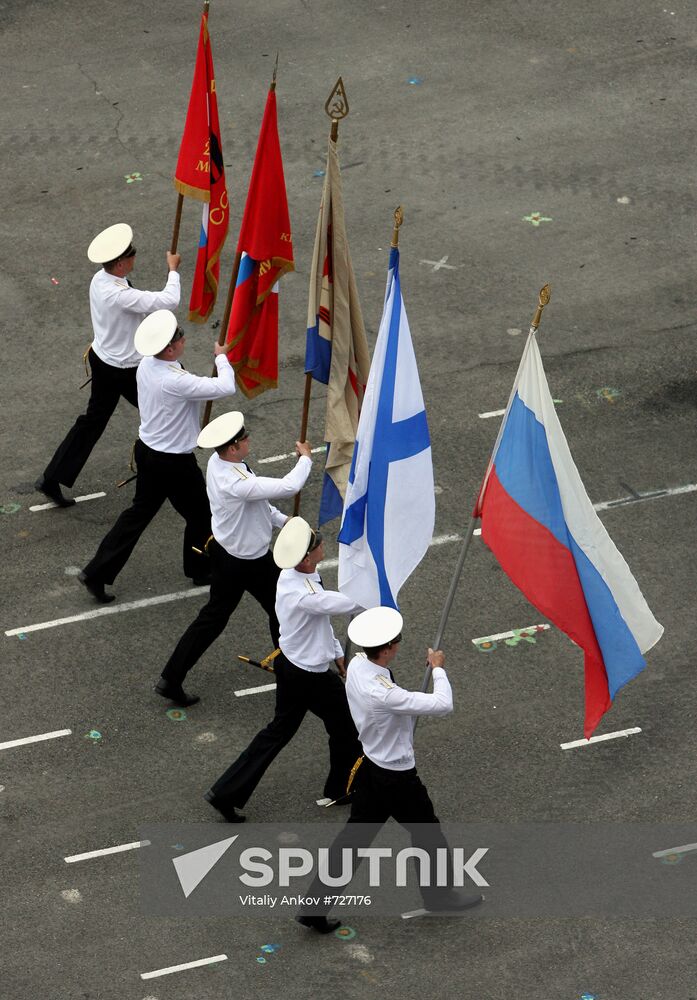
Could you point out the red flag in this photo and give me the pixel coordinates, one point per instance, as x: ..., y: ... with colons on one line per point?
x: 266, y: 246
x: 200, y: 174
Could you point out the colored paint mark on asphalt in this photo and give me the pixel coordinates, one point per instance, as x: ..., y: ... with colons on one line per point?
x: 345, y: 933
x: 536, y: 218
x: 176, y: 714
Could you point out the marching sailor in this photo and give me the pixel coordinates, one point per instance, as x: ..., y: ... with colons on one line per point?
x: 170, y: 404
x: 386, y: 782
x: 242, y: 521
x: 304, y: 681
x: 116, y: 309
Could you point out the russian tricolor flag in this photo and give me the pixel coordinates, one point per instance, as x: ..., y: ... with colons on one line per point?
x: 540, y: 524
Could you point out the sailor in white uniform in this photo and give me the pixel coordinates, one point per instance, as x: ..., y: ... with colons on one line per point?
x: 242, y: 522
x: 116, y: 309
x: 303, y: 676
x: 386, y: 783
x: 170, y: 405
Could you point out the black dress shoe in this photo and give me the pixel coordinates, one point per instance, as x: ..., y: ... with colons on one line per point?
x: 176, y: 694
x: 96, y: 589
x: 52, y: 489
x: 228, y: 812
x: 319, y: 924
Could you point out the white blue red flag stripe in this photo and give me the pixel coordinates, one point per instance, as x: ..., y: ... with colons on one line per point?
x: 540, y: 524
x: 389, y: 512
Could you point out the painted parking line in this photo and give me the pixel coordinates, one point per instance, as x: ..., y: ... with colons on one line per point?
x: 512, y: 634
x: 72, y: 858
x: 35, y: 739
x: 491, y: 413
x: 111, y: 609
x: 180, y: 968
x: 600, y: 739
x: 48, y: 506
x: 255, y: 690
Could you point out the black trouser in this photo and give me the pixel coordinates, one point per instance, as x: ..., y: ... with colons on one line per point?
x: 161, y: 476
x: 109, y: 384
x: 231, y: 577
x: 297, y: 692
x: 380, y: 794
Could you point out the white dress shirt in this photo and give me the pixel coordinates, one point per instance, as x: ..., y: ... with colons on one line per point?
x: 117, y: 312
x: 242, y: 519
x: 303, y: 608
x: 169, y: 400
x: 384, y: 712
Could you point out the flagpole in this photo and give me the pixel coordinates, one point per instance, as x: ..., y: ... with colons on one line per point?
x: 336, y: 106
x: 180, y: 198
x: 542, y: 301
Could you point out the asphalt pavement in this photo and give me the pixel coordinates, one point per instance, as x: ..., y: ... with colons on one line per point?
x: 528, y: 143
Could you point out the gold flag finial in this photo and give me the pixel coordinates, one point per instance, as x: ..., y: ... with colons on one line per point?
x: 337, y: 106
x: 275, y: 69
x: 543, y: 299
x: 398, y: 220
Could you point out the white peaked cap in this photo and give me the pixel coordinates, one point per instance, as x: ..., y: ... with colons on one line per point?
x: 221, y: 430
x: 292, y: 543
x: 375, y: 627
x: 155, y: 332
x: 110, y: 243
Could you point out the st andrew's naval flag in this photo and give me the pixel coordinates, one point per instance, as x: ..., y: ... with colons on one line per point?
x: 390, y: 503
x: 200, y: 174
x: 336, y: 351
x: 540, y: 524
x: 265, y: 246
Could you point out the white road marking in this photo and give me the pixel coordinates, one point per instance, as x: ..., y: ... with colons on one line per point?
x: 35, y: 739
x: 324, y: 802
x: 438, y: 264
x: 111, y: 609
x: 71, y: 895
x: 491, y: 413
x: 291, y: 454
x: 600, y: 739
x: 256, y: 690
x: 48, y: 506
x: 512, y: 634
x: 106, y: 850
x: 650, y: 495
x: 180, y: 968
x: 675, y: 850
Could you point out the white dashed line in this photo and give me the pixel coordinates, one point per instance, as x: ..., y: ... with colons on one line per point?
x: 48, y: 506
x: 291, y: 454
x: 186, y: 965
x: 512, y: 634
x: 35, y: 739
x: 256, y: 690
x: 106, y: 850
x: 111, y: 609
x: 600, y: 739
x: 675, y: 850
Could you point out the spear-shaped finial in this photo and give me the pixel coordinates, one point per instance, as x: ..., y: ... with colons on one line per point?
x: 337, y: 106
x: 398, y: 220
x: 544, y: 297
x: 275, y: 69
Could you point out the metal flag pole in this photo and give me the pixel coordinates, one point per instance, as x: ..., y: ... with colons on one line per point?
x: 542, y: 301
x: 336, y: 106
